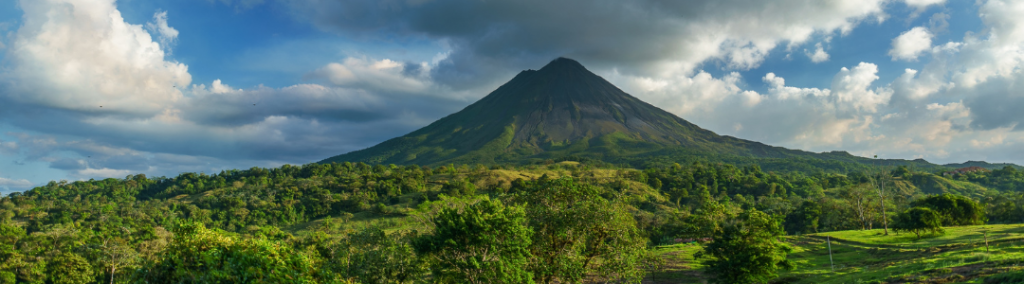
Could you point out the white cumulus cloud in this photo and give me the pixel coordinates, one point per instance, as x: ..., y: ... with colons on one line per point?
x: 11, y: 185
x: 79, y: 55
x: 851, y: 88
x: 109, y: 101
x: 818, y: 55
x: 910, y: 44
x: 166, y: 33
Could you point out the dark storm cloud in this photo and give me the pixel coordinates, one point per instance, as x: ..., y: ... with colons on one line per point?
x: 284, y: 125
x: 304, y: 101
x: 630, y: 35
x: 997, y: 103
x: 68, y: 164
x: 516, y: 34
x: 283, y: 138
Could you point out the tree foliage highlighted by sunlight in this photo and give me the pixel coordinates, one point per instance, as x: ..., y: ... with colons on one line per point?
x: 917, y: 220
x: 747, y: 249
x: 486, y: 242
x: 579, y: 233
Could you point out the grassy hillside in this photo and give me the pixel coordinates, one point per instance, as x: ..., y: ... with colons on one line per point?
x: 957, y: 256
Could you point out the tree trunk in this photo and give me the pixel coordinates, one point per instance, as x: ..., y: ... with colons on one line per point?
x: 881, y: 202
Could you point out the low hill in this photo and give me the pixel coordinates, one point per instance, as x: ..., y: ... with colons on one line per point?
x: 982, y: 164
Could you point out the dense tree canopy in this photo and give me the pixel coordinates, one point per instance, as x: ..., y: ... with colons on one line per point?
x: 917, y: 220
x: 356, y: 222
x: 955, y: 210
x: 578, y: 232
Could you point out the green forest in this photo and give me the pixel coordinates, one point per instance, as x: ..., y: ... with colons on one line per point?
x: 549, y: 222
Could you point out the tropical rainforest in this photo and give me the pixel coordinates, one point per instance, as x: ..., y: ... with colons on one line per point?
x: 546, y: 222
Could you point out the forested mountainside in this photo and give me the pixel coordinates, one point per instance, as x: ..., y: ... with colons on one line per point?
x: 361, y: 223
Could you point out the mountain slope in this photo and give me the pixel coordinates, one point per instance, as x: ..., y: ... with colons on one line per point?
x: 562, y: 110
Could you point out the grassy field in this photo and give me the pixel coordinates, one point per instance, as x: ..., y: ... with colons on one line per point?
x: 960, y: 255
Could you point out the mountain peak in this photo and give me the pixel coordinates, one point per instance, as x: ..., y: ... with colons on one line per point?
x: 563, y: 63
x: 561, y: 109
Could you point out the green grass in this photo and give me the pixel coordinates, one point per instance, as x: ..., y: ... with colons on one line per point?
x: 679, y: 265
x: 953, y: 236
x: 957, y: 256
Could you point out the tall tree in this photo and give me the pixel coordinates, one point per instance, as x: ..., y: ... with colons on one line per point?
x: 882, y: 177
x: 805, y: 219
x: 918, y: 219
x: 577, y: 232
x: 859, y: 196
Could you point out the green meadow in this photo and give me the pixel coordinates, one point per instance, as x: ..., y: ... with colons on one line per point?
x: 959, y: 255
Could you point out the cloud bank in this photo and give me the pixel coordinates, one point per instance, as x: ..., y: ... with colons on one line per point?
x: 96, y: 96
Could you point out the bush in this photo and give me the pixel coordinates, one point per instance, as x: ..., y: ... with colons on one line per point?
x: 201, y: 255
x: 918, y: 219
x: 485, y: 243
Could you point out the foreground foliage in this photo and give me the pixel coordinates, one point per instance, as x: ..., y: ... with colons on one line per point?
x: 485, y: 243
x: 579, y: 233
x: 747, y: 249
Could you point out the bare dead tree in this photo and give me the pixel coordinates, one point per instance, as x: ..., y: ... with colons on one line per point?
x: 880, y: 181
x: 116, y: 254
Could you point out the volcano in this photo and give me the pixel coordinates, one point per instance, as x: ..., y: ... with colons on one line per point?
x: 561, y: 110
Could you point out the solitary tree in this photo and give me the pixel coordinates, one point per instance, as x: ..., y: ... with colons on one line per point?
x: 956, y: 210
x: 918, y: 219
x: 746, y: 250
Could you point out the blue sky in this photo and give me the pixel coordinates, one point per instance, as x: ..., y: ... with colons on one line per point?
x: 207, y: 85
